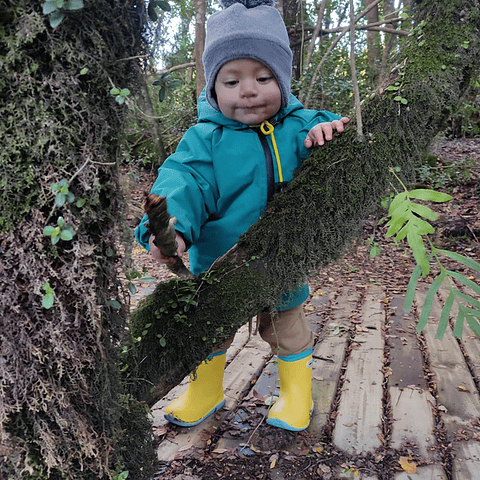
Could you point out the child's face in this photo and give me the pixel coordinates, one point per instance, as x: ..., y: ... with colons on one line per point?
x: 247, y: 91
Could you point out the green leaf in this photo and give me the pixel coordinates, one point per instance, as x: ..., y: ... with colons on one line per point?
x: 468, y: 262
x: 458, y: 328
x: 429, y: 195
x: 49, y: 6
x: 410, y: 295
x: 60, y: 200
x: 163, y: 342
x: 48, y: 230
x: 124, y: 92
x: 115, y: 304
x: 60, y: 222
x: 472, y: 301
x: 397, y: 200
x: 467, y: 282
x: 56, y: 19
x: 162, y: 93
x: 427, y: 306
x: 81, y: 202
x: 393, y: 88
x: 375, y: 251
x: 66, y: 235
x: 418, y: 249
x: 164, y: 5
x: 420, y: 226
x: 55, y: 239
x: 84, y: 71
x: 74, y: 4
x: 473, y: 322
x: 404, y: 101
x: 47, y: 300
x: 114, y: 91
x: 424, y: 211
x: 443, y: 322
x: 131, y: 288
x: 120, y: 99
x: 395, y: 224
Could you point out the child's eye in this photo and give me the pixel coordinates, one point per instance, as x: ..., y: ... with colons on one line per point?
x: 264, y: 79
x: 231, y: 83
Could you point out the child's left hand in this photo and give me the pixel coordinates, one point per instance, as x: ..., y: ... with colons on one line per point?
x: 324, y: 132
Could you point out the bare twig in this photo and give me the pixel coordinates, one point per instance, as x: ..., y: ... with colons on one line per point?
x: 353, y: 68
x: 306, y: 99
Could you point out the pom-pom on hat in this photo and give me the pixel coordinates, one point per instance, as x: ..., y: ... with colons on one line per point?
x: 247, y: 29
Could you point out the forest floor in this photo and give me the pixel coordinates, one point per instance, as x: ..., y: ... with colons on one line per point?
x: 347, y: 439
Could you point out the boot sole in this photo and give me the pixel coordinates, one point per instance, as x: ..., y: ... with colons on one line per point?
x: 180, y: 423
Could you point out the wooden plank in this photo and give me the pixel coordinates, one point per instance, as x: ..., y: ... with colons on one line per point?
x: 412, y: 421
x: 406, y: 361
x: 328, y: 357
x: 237, y: 380
x: 456, y: 390
x: 466, y: 464
x: 359, y: 420
x: 427, y: 472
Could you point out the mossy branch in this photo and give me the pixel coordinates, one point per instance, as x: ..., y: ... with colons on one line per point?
x: 321, y: 210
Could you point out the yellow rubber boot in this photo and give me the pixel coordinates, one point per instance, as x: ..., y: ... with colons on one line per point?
x: 294, y: 406
x: 204, y: 395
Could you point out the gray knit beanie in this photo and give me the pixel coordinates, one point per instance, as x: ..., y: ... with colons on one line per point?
x: 247, y: 29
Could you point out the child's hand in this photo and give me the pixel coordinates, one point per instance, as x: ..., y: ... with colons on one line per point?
x: 160, y: 257
x: 324, y: 132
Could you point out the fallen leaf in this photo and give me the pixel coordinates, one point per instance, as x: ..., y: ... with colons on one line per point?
x: 407, y: 464
x: 463, y: 389
x: 273, y: 460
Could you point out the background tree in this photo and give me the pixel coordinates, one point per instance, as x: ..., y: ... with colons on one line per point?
x: 64, y: 412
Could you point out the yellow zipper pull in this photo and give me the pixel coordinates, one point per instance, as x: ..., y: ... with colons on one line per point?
x: 267, y: 129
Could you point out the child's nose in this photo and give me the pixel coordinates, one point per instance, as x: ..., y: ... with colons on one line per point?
x: 249, y: 88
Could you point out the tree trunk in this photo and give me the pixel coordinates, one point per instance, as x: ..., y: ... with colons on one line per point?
x: 322, y: 209
x: 201, y: 11
x: 372, y: 39
x: 63, y: 410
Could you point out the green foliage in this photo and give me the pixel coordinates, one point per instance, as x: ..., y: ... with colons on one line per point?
x: 57, y: 8
x: 120, y: 95
x: 62, y: 231
x: 409, y: 220
x: 47, y: 300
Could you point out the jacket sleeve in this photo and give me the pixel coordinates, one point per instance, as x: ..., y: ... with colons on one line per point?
x: 187, y: 179
x: 311, y: 118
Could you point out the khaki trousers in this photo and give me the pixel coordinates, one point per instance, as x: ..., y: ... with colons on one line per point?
x: 286, y: 332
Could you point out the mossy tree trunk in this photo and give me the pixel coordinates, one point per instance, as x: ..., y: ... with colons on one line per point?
x: 310, y: 224
x: 64, y: 413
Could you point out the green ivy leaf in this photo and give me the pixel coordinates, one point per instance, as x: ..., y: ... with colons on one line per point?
x: 49, y: 7
x: 56, y: 19
x: 47, y: 300
x: 115, y: 304
x: 66, y: 235
x: 74, y: 5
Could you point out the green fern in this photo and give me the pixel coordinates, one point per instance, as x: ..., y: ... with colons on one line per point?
x: 410, y: 220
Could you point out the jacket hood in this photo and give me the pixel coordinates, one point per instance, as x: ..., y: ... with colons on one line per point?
x: 206, y: 113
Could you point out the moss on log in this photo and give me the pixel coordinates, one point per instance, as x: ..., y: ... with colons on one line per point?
x: 310, y: 224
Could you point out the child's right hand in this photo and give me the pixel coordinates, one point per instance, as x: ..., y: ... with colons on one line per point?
x: 160, y: 257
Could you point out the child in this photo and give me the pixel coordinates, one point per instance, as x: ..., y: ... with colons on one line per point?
x: 251, y: 136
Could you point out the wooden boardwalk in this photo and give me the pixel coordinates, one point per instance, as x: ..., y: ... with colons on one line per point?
x: 377, y: 386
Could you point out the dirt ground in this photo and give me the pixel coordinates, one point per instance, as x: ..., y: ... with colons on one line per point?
x: 457, y: 172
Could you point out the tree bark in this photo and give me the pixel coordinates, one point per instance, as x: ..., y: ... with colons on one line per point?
x: 320, y: 212
x: 200, y: 14
x: 63, y: 411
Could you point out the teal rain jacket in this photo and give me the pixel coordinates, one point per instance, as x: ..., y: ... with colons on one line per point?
x: 216, y: 183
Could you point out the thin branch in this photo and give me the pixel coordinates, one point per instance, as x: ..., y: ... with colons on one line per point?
x: 353, y: 68
x: 176, y: 67
x: 331, y: 47
x: 316, y: 31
